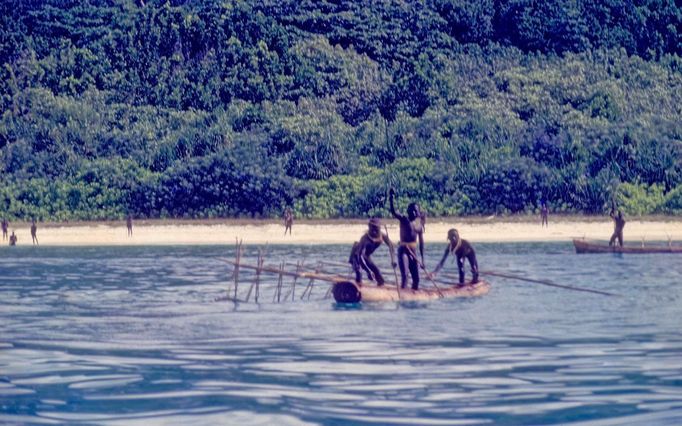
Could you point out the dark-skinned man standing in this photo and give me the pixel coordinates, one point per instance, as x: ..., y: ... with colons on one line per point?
x: 411, y: 235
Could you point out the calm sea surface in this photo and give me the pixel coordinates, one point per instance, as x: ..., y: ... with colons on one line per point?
x: 139, y: 336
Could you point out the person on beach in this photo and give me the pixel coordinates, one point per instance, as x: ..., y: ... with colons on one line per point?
x: 618, y: 225
x: 5, y: 225
x: 461, y: 249
x: 13, y: 239
x: 288, y: 220
x: 362, y: 250
x: 544, y: 214
x: 411, y: 233
x: 34, y: 228
x: 129, y: 225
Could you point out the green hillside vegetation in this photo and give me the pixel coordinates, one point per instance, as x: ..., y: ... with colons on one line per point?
x: 198, y: 109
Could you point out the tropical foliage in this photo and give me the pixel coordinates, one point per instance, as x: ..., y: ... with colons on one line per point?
x: 201, y: 108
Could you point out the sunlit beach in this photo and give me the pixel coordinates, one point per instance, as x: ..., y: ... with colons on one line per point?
x: 218, y: 232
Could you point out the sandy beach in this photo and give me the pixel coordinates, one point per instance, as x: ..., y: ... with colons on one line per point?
x: 259, y: 232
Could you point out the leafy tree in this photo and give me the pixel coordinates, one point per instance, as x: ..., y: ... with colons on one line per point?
x: 241, y: 107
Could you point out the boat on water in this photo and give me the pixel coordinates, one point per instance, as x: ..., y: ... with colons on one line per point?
x: 343, y: 289
x: 592, y: 246
x: 351, y: 292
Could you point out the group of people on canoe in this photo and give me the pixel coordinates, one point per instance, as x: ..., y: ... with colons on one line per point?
x: 412, y: 226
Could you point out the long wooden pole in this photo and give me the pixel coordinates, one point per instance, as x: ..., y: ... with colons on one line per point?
x: 395, y: 273
x: 293, y: 286
x: 309, y: 287
x: 319, y: 274
x: 260, y: 263
x: 546, y: 282
x: 256, y: 279
x: 323, y: 277
x: 350, y: 273
x: 291, y: 292
x: 280, y: 282
x: 238, y: 257
x: 428, y: 275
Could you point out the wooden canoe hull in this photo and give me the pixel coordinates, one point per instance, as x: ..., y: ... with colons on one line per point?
x: 350, y: 292
x: 586, y: 246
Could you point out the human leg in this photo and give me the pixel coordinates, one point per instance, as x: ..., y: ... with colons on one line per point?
x: 402, y: 258
x: 376, y: 273
x: 414, y: 273
x: 473, y: 263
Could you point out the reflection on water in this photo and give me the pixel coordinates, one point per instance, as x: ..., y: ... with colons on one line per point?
x: 141, y: 336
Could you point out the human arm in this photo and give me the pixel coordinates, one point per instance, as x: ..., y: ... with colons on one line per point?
x: 442, y: 261
x: 421, y: 245
x: 391, y: 194
x: 391, y: 249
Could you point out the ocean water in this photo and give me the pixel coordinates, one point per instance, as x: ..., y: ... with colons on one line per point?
x: 144, y: 336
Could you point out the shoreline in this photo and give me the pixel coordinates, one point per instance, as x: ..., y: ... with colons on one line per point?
x: 340, y: 231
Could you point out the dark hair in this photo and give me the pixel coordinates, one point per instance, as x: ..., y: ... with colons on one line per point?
x: 413, y: 210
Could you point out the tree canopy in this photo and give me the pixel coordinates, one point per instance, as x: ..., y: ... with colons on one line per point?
x: 201, y: 108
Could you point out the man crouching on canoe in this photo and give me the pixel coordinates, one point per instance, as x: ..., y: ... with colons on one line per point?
x: 411, y: 230
x: 363, y: 249
x: 462, y: 249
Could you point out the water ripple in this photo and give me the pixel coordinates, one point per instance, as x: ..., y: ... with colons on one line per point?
x: 131, y: 336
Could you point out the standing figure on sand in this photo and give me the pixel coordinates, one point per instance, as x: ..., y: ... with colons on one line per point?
x: 461, y: 249
x: 618, y: 225
x: 288, y: 220
x: 13, y: 239
x: 362, y: 250
x: 34, y: 229
x: 129, y: 225
x: 5, y: 225
x: 411, y: 234
x: 544, y: 214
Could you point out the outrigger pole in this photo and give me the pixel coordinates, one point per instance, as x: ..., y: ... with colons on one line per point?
x: 238, y: 257
x: 546, y: 282
x: 280, y: 272
x: 314, y: 275
x: 397, y: 283
x: 256, y: 281
x: 309, y: 288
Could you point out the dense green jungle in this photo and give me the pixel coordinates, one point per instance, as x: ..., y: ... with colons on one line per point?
x: 203, y: 109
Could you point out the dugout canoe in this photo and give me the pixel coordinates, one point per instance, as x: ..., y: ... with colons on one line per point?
x: 587, y: 246
x: 351, y: 292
